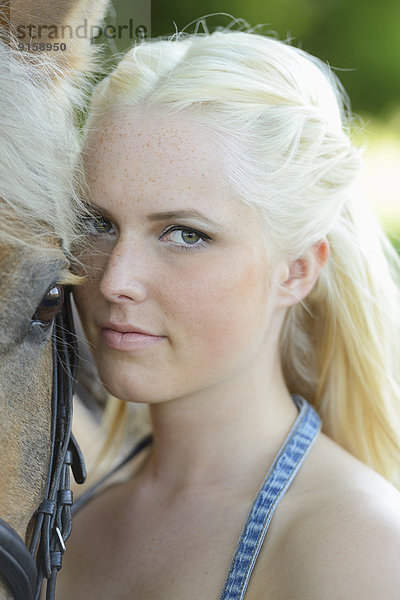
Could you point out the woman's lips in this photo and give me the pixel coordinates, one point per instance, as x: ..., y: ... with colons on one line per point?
x: 128, y: 341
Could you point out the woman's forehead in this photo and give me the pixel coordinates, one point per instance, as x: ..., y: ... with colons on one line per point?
x: 179, y: 134
x: 171, y: 153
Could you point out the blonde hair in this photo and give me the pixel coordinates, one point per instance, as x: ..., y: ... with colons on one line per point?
x: 280, y: 116
x: 39, y: 149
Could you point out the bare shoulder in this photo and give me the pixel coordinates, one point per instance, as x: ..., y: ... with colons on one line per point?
x: 343, y: 541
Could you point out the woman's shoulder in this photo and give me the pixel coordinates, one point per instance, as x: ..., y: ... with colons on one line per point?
x: 342, y: 529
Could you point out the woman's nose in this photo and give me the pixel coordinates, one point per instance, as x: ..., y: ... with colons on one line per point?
x: 121, y: 278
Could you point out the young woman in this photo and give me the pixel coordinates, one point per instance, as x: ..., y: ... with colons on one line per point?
x: 237, y: 273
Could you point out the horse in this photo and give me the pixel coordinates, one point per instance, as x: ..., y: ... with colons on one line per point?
x: 41, y: 86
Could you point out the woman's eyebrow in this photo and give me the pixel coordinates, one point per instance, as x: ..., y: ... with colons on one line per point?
x: 181, y: 214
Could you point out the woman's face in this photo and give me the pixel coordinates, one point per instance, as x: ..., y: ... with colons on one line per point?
x: 179, y: 258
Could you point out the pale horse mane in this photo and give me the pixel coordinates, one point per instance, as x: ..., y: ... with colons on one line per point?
x: 39, y: 144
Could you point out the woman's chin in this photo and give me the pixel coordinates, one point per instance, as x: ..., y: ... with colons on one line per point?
x: 131, y: 391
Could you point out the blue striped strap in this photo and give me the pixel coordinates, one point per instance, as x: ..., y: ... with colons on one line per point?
x: 282, y: 472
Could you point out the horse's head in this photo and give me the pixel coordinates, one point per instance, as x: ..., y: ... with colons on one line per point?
x: 39, y: 215
x: 31, y: 295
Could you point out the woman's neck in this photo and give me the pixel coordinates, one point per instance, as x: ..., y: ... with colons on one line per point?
x: 226, y: 435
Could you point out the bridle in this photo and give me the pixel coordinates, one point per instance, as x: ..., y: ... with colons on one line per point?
x: 24, y: 569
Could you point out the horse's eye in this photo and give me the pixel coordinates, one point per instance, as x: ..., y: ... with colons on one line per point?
x: 50, y: 305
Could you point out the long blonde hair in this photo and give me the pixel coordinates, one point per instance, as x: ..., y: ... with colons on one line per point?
x: 40, y: 175
x: 281, y: 117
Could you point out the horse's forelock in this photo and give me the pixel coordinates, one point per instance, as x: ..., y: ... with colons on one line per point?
x: 39, y: 147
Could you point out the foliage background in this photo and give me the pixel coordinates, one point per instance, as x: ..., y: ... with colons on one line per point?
x: 360, y: 39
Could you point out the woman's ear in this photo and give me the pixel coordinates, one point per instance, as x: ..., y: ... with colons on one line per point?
x: 299, y: 277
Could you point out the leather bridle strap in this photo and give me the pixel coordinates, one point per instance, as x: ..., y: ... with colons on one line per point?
x: 53, y: 520
x: 23, y: 570
x: 17, y: 567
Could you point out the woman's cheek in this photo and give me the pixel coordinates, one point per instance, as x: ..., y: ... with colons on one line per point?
x: 223, y: 312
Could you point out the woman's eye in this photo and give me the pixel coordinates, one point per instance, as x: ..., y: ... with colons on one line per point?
x: 99, y: 225
x: 50, y: 305
x: 185, y: 237
x: 188, y: 237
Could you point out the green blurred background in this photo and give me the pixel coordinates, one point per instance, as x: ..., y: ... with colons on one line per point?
x: 360, y: 39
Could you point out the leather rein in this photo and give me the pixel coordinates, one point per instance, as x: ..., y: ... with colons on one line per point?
x: 21, y: 568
